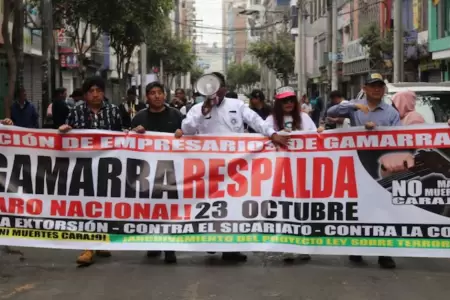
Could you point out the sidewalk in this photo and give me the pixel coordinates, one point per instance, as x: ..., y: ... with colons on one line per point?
x: 52, y: 274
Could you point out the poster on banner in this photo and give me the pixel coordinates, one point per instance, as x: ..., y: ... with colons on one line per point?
x: 326, y: 193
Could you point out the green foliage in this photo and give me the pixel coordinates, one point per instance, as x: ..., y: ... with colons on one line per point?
x: 242, y: 75
x: 177, y: 55
x: 379, y: 47
x: 196, y: 73
x: 279, y: 56
x: 130, y: 22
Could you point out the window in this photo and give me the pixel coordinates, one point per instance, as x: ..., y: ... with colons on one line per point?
x: 256, y: 2
x: 443, y: 18
x: 446, y: 18
x: 311, y: 12
x: 315, y: 51
x: 319, y: 8
x: 424, y: 17
x: 315, y: 10
x: 324, y: 7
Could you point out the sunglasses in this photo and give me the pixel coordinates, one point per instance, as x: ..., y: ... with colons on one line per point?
x: 288, y: 100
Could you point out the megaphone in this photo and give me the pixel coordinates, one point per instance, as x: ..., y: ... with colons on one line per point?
x: 208, y: 85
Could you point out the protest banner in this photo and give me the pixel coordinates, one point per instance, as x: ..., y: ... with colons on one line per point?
x: 326, y: 193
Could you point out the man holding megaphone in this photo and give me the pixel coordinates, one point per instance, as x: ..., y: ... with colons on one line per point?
x: 219, y: 114
x: 222, y: 115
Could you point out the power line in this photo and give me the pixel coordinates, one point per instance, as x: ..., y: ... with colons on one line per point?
x: 225, y: 29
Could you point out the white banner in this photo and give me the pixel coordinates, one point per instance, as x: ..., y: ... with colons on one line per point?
x: 384, y: 192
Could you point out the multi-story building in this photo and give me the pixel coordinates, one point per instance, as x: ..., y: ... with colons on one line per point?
x: 188, y: 19
x: 235, y: 38
x: 32, y: 45
x: 439, y: 35
x: 210, y: 57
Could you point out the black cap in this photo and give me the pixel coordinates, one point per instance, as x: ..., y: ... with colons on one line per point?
x: 257, y: 94
x: 374, y: 78
x: 335, y: 94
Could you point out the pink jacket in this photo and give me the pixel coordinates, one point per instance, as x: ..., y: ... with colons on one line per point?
x: 405, y: 102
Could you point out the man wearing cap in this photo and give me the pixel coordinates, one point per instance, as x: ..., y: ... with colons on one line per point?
x: 372, y: 111
x: 257, y: 104
x: 222, y: 115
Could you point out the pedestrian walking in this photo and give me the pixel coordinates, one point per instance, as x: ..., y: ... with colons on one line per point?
x: 23, y: 112
x: 60, y: 109
x: 222, y: 115
x: 130, y: 107
x: 94, y: 113
x: 160, y: 118
x: 405, y: 103
x: 258, y: 105
x: 370, y: 112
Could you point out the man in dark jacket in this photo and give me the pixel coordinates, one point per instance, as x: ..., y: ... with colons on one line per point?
x: 23, y: 112
x: 129, y: 108
x: 258, y: 105
x: 60, y: 109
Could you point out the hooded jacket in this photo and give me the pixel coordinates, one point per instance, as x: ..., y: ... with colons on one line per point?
x: 405, y: 103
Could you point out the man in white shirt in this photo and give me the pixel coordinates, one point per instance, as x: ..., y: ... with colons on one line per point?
x: 227, y: 116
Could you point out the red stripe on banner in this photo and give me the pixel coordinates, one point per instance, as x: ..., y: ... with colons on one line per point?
x: 309, y: 142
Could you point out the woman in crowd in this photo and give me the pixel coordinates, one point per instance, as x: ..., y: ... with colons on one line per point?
x: 286, y: 116
x: 306, y: 105
x: 405, y: 103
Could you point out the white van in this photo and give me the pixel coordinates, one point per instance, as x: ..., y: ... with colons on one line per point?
x: 433, y: 99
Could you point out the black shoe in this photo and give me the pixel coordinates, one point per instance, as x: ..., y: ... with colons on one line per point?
x: 153, y: 254
x: 234, y: 256
x: 356, y: 259
x: 304, y: 257
x: 211, y: 252
x: 170, y: 257
x: 386, y: 262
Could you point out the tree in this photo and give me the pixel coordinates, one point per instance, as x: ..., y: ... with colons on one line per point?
x: 13, y: 44
x: 380, y: 48
x: 196, y: 73
x: 79, y: 19
x: 279, y: 56
x: 176, y: 55
x: 243, y: 75
x: 134, y: 21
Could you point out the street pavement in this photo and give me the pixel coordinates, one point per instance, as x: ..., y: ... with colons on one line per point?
x: 52, y: 274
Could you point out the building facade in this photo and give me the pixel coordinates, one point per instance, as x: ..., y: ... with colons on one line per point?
x: 439, y: 35
x: 235, y: 37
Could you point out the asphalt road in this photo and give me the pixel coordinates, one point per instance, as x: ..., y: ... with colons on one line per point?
x: 52, y: 274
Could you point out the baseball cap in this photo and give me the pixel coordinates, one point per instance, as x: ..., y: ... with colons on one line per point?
x: 257, y: 94
x: 374, y: 78
x: 285, y: 92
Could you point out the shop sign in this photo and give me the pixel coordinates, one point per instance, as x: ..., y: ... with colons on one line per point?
x: 68, y: 60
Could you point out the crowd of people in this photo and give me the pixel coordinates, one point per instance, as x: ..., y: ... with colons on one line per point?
x: 88, y: 108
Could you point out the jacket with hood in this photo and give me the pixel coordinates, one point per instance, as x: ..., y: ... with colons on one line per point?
x: 405, y: 103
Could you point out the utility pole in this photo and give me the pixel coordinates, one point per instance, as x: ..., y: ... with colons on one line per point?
x: 334, y: 75
x: 17, y: 37
x: 177, y: 33
x: 143, y: 53
x: 266, y: 69
x: 47, y: 46
x: 330, y: 40
x: 301, y: 49
x: 398, y: 42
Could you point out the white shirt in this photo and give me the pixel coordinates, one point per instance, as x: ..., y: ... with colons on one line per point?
x: 183, y: 110
x: 307, y: 108
x: 228, y: 117
x: 307, y: 123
